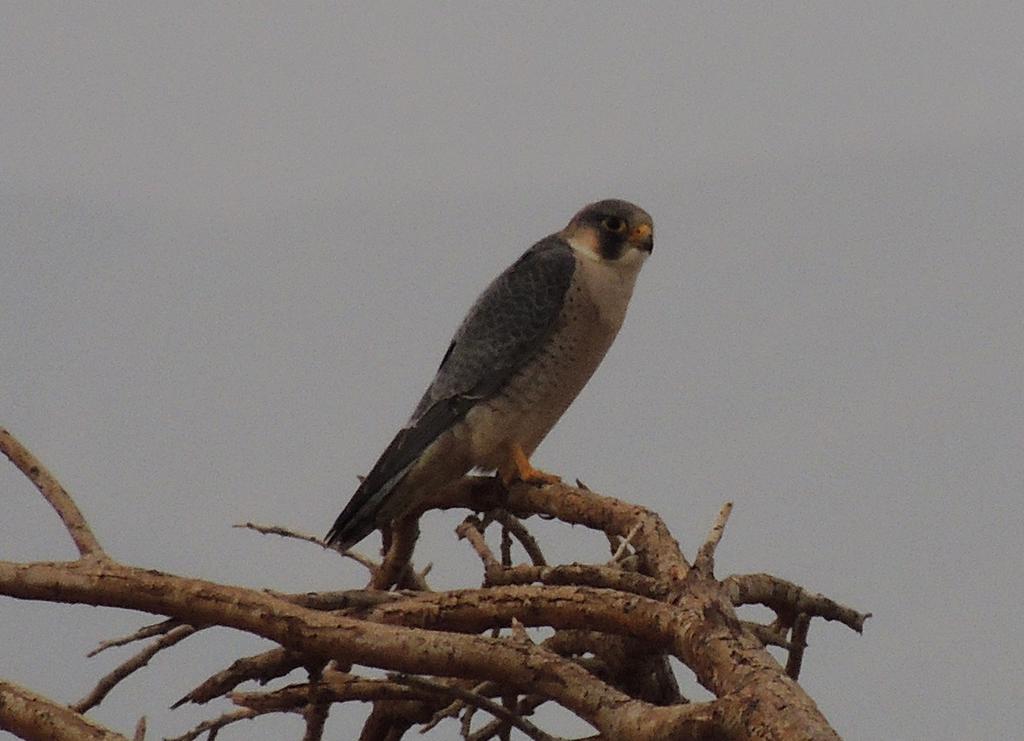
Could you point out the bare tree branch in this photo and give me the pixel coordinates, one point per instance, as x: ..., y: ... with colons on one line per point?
x: 798, y: 643
x: 107, y: 683
x: 262, y: 668
x: 476, y: 700
x: 528, y: 668
x: 705, y: 560
x: 472, y: 530
x: 285, y: 532
x: 147, y: 631
x: 396, y: 567
x: 516, y: 527
x: 32, y: 716
x: 212, y: 726
x: 615, y: 627
x: 660, y: 552
x: 578, y: 575
x: 53, y: 493
x: 785, y: 596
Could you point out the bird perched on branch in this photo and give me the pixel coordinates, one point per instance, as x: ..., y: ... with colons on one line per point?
x: 525, y: 349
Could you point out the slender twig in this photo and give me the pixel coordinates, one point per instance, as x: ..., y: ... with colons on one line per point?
x: 475, y: 700
x: 285, y: 532
x: 506, y: 547
x: 53, y: 493
x: 455, y: 706
x: 396, y: 564
x: 705, y: 560
x: 466, y: 724
x: 147, y: 631
x: 798, y: 643
x: 515, y: 526
x: 769, y: 635
x: 126, y: 669
x: 215, y: 724
x: 471, y: 530
x: 526, y: 706
x: 318, y: 706
x: 613, y: 543
x: 623, y: 547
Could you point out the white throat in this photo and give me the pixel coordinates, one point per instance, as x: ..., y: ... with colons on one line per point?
x: 608, y: 283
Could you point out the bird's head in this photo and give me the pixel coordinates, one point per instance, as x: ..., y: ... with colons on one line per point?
x: 612, y: 231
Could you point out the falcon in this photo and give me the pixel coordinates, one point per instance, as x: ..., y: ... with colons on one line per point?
x: 524, y: 351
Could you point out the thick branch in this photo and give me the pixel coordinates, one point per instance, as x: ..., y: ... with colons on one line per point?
x: 32, y: 716
x: 651, y: 539
x: 786, y: 597
x: 324, y: 635
x: 578, y: 575
x: 692, y: 616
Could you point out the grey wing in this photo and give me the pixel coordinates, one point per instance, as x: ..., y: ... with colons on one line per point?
x: 506, y: 326
x: 504, y: 329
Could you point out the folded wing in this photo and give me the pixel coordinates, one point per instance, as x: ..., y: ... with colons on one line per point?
x: 506, y: 326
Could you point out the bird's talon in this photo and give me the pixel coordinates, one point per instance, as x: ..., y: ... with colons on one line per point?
x: 541, y: 478
x: 518, y: 468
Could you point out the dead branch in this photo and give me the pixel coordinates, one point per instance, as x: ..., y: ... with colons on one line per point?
x: 126, y: 669
x: 335, y: 686
x: 29, y: 715
x: 661, y: 556
x: 786, y: 597
x: 519, y: 531
x: 577, y: 575
x: 324, y: 635
x: 212, y: 726
x: 146, y: 631
x: 285, y: 532
x: 798, y: 643
x: 261, y: 668
x: 396, y: 568
x: 53, y: 493
x: 705, y: 560
x: 615, y: 624
x: 478, y: 701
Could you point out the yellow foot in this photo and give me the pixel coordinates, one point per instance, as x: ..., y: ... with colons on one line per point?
x: 518, y: 468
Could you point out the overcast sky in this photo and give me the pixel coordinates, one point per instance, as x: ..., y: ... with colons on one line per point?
x: 235, y: 241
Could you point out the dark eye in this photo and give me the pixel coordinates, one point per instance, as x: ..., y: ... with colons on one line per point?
x: 614, y: 224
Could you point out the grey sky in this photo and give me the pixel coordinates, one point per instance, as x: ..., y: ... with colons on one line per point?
x: 234, y: 242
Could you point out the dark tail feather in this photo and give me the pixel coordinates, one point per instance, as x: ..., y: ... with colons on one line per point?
x: 371, y: 505
x: 360, y: 516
